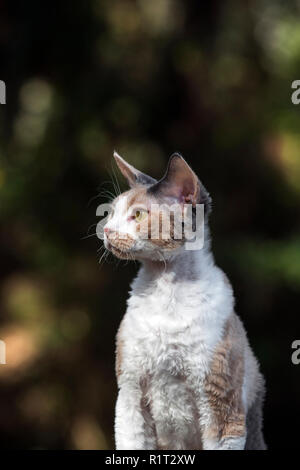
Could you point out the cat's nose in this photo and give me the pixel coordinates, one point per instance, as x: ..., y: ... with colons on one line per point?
x: 107, y: 230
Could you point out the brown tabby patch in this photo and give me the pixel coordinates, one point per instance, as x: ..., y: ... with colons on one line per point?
x: 224, y: 384
x: 163, y: 235
x: 119, y: 352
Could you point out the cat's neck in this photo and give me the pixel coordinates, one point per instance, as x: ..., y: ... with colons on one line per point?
x: 188, y: 265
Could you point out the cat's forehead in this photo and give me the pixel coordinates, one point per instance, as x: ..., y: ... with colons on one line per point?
x: 132, y: 197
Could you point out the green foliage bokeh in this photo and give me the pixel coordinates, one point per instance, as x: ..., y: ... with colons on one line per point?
x: 211, y: 80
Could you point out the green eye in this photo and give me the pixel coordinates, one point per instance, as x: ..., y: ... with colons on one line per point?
x: 140, y: 215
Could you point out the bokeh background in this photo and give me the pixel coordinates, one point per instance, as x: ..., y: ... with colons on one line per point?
x: 209, y: 79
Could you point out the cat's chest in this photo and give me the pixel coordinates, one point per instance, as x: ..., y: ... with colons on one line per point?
x: 173, y: 326
x: 167, y: 303
x: 153, y: 348
x: 164, y: 333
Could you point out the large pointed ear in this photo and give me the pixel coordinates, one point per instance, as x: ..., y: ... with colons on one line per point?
x: 132, y: 175
x: 181, y: 183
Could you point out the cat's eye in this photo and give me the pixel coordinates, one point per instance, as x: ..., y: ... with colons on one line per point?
x: 140, y: 215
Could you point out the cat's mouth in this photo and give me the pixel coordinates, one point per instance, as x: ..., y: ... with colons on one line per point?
x: 120, y: 245
x: 123, y: 254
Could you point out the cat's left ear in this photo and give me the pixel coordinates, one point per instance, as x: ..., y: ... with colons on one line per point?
x: 181, y: 184
x: 179, y: 181
x: 132, y: 175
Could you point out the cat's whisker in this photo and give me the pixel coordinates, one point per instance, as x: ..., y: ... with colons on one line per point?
x: 163, y: 259
x: 89, y: 236
x: 106, y: 192
x: 101, y: 248
x: 91, y: 226
x: 116, y: 179
x: 127, y: 259
x: 103, y: 192
x: 132, y: 258
x: 103, y: 255
x: 114, y: 183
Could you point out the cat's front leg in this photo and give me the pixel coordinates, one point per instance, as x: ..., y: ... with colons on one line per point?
x: 223, y: 426
x: 224, y: 423
x: 131, y: 431
x: 225, y: 443
x: 222, y: 398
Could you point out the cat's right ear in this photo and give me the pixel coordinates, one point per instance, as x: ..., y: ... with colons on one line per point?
x: 133, y: 176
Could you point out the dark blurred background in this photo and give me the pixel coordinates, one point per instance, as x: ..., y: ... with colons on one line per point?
x: 211, y: 80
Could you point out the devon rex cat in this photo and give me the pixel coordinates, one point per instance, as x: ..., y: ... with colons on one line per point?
x: 187, y: 376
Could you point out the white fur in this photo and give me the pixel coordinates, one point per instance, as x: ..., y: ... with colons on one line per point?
x: 120, y: 220
x: 175, y: 318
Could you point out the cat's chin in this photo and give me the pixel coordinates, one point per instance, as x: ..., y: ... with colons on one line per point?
x: 122, y: 254
x: 142, y: 254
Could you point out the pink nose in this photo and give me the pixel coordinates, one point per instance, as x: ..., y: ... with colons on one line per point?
x: 107, y: 230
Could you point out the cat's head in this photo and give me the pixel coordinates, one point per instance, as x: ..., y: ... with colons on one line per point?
x: 150, y: 220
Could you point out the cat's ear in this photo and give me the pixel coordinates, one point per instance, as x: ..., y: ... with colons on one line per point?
x: 132, y: 175
x: 181, y: 183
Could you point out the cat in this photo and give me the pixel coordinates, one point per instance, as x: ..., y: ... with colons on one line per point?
x: 187, y: 377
